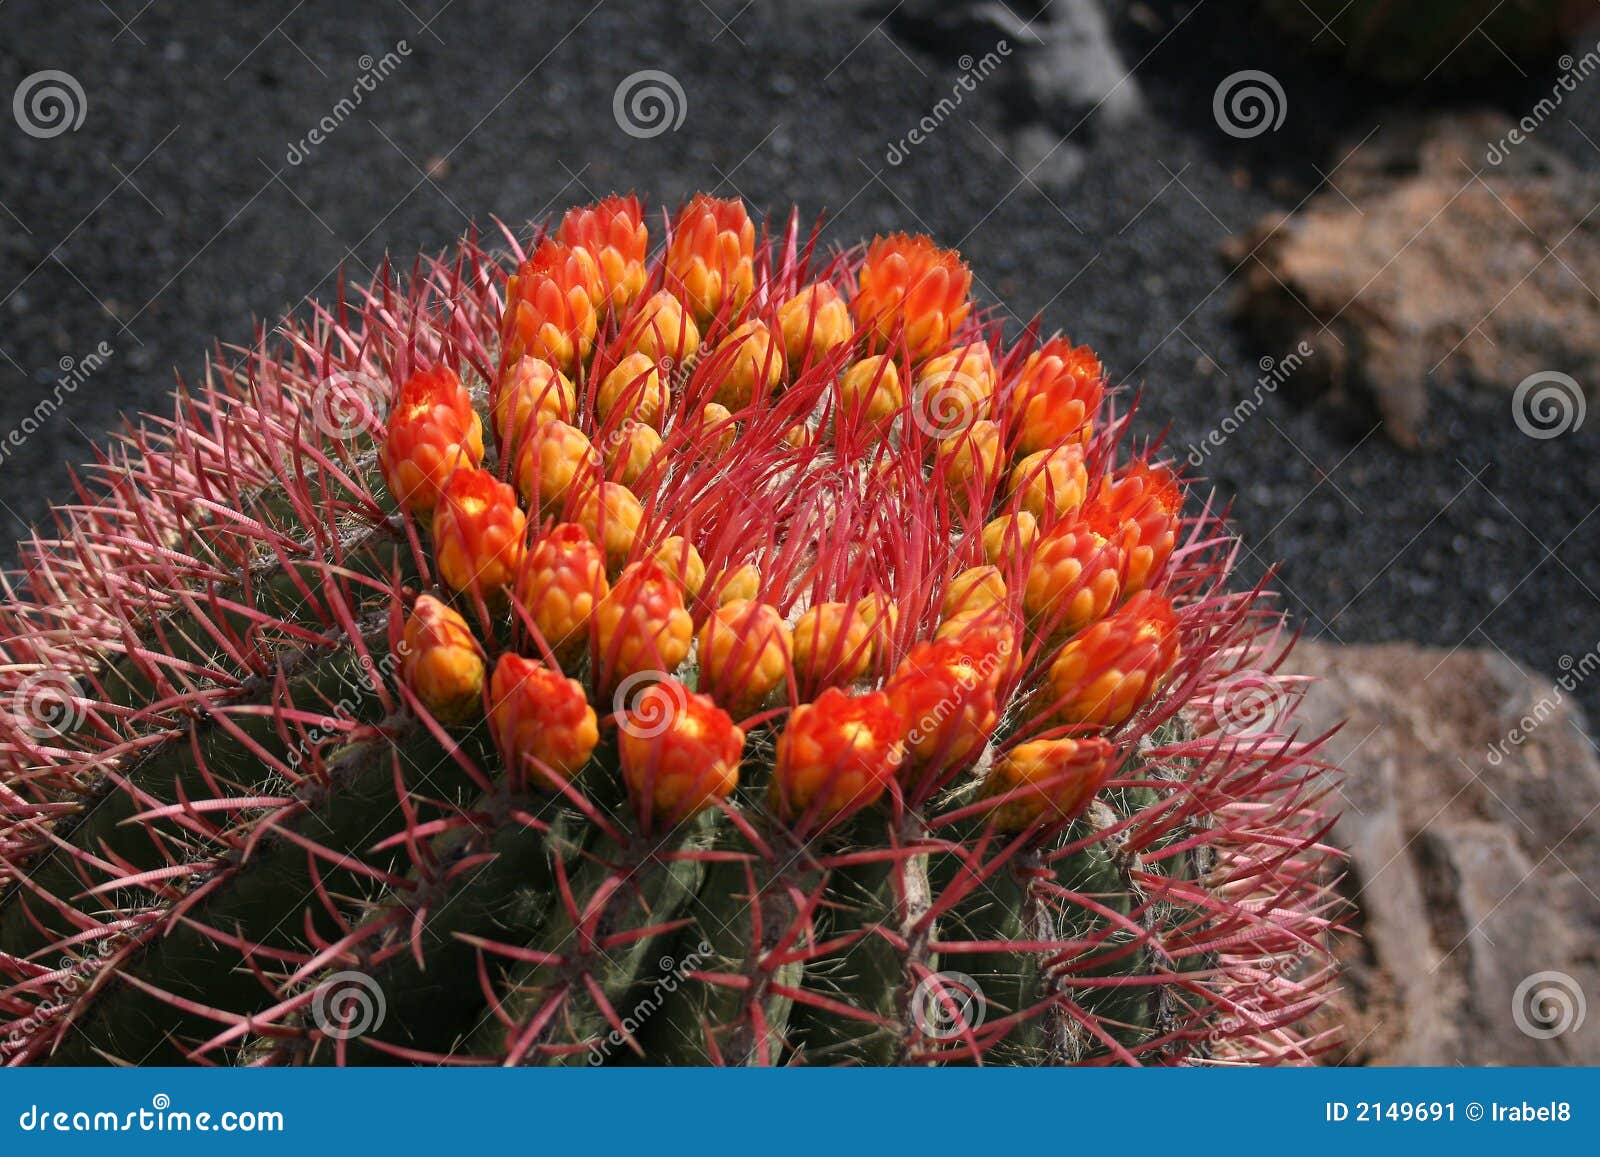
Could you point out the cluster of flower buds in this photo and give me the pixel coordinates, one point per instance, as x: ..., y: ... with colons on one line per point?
x: 1047, y: 620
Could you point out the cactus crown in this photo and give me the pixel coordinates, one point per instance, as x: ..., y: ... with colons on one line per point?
x: 731, y: 653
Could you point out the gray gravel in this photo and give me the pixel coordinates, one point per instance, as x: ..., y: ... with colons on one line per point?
x: 172, y: 218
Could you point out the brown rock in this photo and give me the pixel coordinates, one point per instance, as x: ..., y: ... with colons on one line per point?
x: 1475, y: 855
x: 1424, y: 261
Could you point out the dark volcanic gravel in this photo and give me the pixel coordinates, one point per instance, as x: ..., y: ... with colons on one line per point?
x: 172, y: 218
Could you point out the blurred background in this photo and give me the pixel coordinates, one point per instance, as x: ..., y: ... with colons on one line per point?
x: 1346, y: 252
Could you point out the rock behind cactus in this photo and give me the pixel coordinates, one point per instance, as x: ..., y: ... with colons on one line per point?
x: 1407, y: 43
x: 568, y: 654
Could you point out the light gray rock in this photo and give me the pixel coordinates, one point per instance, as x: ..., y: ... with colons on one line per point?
x: 1474, y: 844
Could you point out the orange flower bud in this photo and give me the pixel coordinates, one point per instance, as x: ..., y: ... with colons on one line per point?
x: 613, y: 233
x: 836, y: 756
x: 948, y: 702
x: 711, y: 255
x: 550, y: 308
x: 1139, y: 508
x: 990, y: 636
x: 870, y: 392
x: 1108, y: 671
x: 954, y: 390
x: 642, y: 625
x: 431, y: 431
x: 713, y: 430
x: 883, y: 620
x: 442, y: 662
x: 1055, y: 396
x: 973, y: 591
x: 478, y: 532
x: 679, y: 752
x: 610, y: 514
x: 634, y: 387
x: 1048, y: 781
x: 630, y: 452
x: 682, y: 561
x: 743, y: 583
x: 745, y: 650
x: 911, y: 282
x: 750, y: 365
x: 553, y: 458
x: 562, y: 580
x: 970, y: 462
x: 1051, y: 484
x: 833, y: 643
x: 530, y: 392
x: 1074, y: 580
x: 1009, y: 535
x: 814, y: 322
x: 662, y: 330
x: 541, y: 721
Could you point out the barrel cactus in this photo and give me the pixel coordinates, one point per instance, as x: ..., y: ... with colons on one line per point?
x: 573, y: 651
